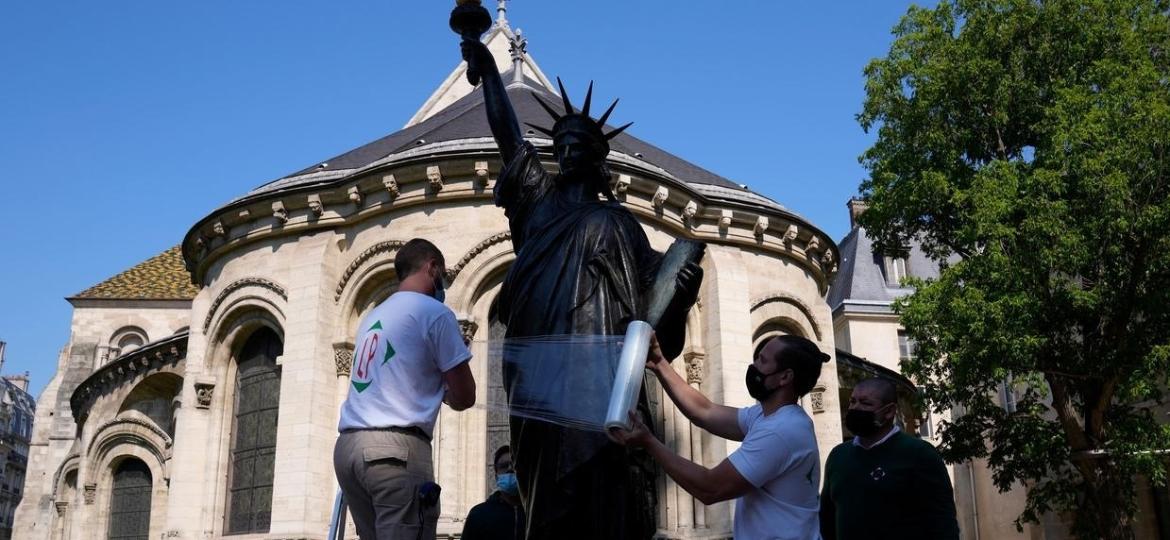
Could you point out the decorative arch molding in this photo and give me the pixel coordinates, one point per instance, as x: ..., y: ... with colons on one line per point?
x: 69, y: 464
x: 479, y: 248
x: 234, y: 286
x: 385, y: 247
x: 113, y: 440
x: 772, y: 306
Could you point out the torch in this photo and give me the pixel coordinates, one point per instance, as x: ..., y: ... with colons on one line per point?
x: 470, y: 20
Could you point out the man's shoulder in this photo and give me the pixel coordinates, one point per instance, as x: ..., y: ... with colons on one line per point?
x: 918, y: 447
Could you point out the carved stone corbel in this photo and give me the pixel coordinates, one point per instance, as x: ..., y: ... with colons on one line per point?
x: 481, y: 173
x: 343, y: 358
x: 217, y: 229
x: 89, y: 492
x: 62, y: 506
x: 435, y: 178
x: 391, y: 185
x: 724, y: 219
x: 660, y: 197
x: 355, y: 196
x: 761, y: 226
x: 622, y: 185
x: 790, y: 234
x: 204, y: 391
x: 690, y: 211
x: 279, y: 212
x: 315, y: 205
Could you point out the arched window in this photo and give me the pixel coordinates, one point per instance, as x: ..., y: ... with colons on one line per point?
x: 254, y: 434
x: 130, y: 501
x: 125, y: 340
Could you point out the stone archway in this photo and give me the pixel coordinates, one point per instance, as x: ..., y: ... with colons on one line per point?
x: 130, y: 501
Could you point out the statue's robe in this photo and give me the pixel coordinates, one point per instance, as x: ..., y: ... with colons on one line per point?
x: 581, y: 268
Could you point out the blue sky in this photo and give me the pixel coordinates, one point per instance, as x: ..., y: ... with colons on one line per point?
x: 123, y: 123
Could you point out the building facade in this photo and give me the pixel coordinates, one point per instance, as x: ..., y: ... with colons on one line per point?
x: 198, y: 397
x: 17, y: 409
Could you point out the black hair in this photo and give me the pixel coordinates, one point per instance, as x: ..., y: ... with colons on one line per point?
x: 804, y: 358
x: 499, y: 452
x: 412, y: 256
x: 887, y: 391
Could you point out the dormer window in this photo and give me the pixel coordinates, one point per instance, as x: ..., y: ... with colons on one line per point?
x: 895, y: 268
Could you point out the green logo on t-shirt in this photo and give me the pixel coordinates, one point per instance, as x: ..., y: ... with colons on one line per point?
x: 362, y: 378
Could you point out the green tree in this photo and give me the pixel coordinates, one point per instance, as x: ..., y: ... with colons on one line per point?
x: 1025, y: 144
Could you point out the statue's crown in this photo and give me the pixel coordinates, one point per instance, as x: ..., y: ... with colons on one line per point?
x: 579, y: 123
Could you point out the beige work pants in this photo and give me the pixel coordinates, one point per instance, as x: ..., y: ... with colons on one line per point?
x: 380, y: 473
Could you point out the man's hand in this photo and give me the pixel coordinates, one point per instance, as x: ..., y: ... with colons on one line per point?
x: 477, y: 55
x: 654, y: 358
x: 638, y: 436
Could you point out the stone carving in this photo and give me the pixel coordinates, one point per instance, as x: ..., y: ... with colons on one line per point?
x: 435, y: 178
x: 724, y: 219
x: 237, y: 285
x: 391, y: 185
x: 62, y: 506
x: 355, y: 196
x: 761, y: 226
x: 694, y: 360
x: 388, y: 246
x: 481, y: 173
x: 690, y: 211
x: 343, y: 358
x: 660, y: 196
x: 315, y: 205
x: 790, y: 234
x: 813, y: 247
x: 245, y: 214
x: 622, y: 185
x: 118, y: 371
x: 817, y: 399
x: 490, y: 241
x: 279, y: 212
x: 204, y: 391
x: 89, y: 492
x: 468, y: 327
x: 217, y: 229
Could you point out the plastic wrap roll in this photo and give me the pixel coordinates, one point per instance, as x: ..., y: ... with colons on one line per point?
x: 627, y: 383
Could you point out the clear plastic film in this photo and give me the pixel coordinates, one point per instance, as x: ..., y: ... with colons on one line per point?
x: 568, y: 380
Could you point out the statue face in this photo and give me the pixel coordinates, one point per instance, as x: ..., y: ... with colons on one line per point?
x: 577, y: 154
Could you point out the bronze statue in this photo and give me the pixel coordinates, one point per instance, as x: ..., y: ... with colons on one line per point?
x: 583, y: 266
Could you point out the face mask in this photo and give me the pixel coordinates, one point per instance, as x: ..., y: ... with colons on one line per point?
x: 507, y: 483
x: 440, y: 292
x: 862, y: 423
x: 756, y: 387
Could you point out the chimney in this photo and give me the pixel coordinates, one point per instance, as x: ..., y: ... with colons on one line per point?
x: 857, y: 206
x: 21, y: 381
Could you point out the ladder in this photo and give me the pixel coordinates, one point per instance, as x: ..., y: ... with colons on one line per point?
x: 337, y: 524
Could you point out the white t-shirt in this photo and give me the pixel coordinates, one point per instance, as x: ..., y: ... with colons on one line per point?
x: 779, y: 457
x: 403, y: 348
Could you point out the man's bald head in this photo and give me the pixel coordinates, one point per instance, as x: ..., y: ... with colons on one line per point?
x: 883, y: 389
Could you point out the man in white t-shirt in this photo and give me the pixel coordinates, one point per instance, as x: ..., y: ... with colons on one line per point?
x: 409, y: 358
x: 776, y: 472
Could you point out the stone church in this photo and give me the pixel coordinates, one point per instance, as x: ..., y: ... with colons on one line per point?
x: 198, y: 395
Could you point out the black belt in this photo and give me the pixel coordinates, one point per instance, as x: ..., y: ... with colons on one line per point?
x: 414, y: 431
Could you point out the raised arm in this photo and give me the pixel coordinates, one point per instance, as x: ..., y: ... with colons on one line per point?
x: 718, y: 419
x: 481, y: 67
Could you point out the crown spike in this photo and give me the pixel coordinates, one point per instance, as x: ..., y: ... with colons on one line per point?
x: 565, y: 97
x: 616, y: 132
x: 541, y: 129
x: 588, y: 100
x: 604, y: 117
x: 554, y: 114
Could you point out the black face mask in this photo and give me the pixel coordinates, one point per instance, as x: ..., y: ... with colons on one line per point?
x: 862, y: 423
x: 756, y: 387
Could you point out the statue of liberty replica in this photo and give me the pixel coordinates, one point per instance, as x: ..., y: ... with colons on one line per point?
x: 584, y: 267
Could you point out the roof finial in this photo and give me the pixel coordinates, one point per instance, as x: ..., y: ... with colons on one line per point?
x: 502, y: 13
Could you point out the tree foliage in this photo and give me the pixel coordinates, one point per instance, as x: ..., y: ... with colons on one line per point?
x: 1024, y: 144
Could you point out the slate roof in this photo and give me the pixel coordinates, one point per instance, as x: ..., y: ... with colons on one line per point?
x: 466, y: 119
x: 861, y: 276
x: 162, y: 277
